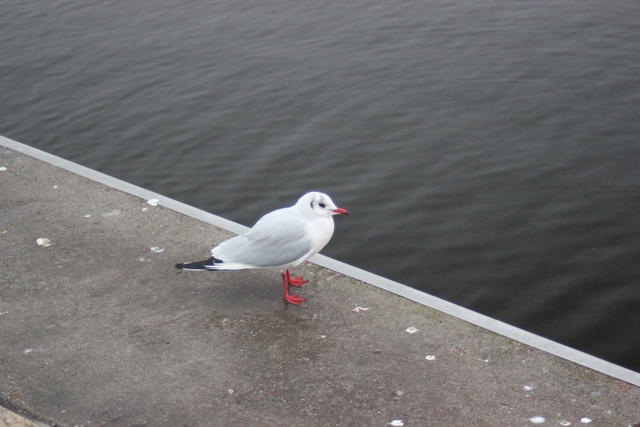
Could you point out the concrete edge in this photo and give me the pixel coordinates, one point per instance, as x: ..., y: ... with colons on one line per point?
x: 12, y: 416
x: 394, y: 287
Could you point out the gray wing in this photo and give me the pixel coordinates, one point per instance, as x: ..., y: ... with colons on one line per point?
x: 277, y: 239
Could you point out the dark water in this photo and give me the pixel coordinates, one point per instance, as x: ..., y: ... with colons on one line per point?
x: 489, y: 150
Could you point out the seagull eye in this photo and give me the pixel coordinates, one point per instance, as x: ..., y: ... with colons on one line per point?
x: 322, y: 205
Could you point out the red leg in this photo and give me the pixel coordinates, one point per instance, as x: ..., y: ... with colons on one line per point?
x: 296, y: 281
x: 293, y: 299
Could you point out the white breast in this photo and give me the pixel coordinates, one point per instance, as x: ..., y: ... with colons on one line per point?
x: 320, y: 231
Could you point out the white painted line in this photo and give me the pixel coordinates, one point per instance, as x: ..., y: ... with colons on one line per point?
x: 397, y: 288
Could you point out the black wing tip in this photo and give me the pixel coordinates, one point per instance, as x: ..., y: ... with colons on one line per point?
x: 199, y: 265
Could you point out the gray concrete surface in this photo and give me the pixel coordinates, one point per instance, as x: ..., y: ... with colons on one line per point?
x: 98, y: 329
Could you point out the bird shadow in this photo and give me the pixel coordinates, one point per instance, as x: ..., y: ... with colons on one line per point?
x: 235, y: 292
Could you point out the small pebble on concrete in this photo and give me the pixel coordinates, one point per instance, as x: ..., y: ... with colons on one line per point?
x: 153, y: 202
x: 396, y: 423
x: 537, y: 419
x: 412, y: 330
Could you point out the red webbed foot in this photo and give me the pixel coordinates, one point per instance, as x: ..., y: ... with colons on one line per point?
x: 294, y: 299
x: 297, y: 281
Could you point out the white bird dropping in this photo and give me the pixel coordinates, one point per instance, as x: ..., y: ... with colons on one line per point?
x: 43, y: 241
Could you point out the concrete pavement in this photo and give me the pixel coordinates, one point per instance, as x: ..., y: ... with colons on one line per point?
x: 96, y: 328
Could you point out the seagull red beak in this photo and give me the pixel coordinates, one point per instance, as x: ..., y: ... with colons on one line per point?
x: 340, y: 211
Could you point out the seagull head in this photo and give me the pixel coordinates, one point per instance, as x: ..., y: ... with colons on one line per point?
x: 320, y: 204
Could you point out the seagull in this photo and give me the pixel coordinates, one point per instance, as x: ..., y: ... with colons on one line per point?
x: 281, y: 239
